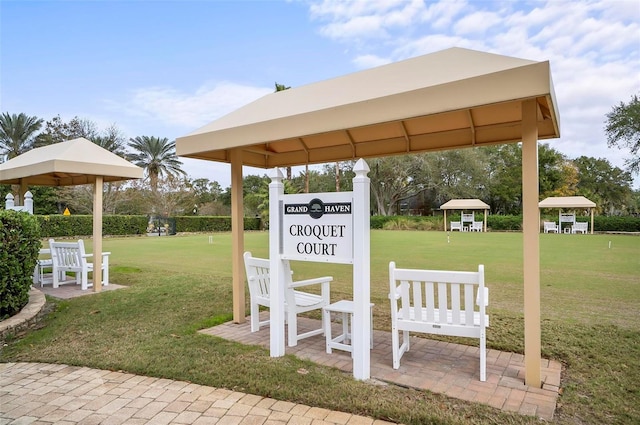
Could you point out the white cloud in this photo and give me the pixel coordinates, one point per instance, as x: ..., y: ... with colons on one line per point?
x: 190, y: 110
x: 593, y: 48
x: 476, y: 23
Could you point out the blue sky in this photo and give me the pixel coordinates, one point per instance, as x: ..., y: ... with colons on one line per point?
x: 165, y: 68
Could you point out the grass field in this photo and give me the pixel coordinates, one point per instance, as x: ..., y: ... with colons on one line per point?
x: 590, y: 301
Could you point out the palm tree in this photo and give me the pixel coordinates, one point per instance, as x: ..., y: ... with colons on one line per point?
x: 17, y: 134
x: 157, y: 157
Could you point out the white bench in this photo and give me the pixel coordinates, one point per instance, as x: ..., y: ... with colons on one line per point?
x: 550, y: 226
x: 72, y: 257
x: 477, y: 226
x: 437, y: 302
x: 456, y: 225
x: 580, y: 227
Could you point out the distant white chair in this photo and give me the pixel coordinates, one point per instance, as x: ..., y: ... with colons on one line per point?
x: 456, y: 225
x: 550, y: 227
x: 72, y: 257
x: 477, y: 226
x: 580, y: 227
x: 258, y: 278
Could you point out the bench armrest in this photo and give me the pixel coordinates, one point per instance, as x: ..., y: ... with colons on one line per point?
x: 306, y: 282
x: 104, y: 254
x: 486, y: 297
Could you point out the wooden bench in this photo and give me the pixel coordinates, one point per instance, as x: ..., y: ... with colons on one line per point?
x: 437, y: 302
x: 72, y: 257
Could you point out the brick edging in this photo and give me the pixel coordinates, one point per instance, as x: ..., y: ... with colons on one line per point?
x: 27, y: 318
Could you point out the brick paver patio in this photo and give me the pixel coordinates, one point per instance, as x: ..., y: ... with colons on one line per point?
x: 441, y: 367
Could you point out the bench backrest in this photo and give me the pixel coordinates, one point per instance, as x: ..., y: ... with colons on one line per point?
x: 550, y: 225
x: 257, y: 270
x: 468, y: 218
x: 438, y: 296
x: 68, y: 255
x: 581, y: 225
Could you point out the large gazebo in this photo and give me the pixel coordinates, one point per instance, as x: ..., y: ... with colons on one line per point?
x: 452, y: 99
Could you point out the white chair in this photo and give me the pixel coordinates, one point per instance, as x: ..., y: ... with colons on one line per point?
x: 438, y: 302
x: 580, y: 227
x: 72, y: 257
x: 456, y: 225
x: 550, y: 227
x: 257, y: 270
x: 477, y: 226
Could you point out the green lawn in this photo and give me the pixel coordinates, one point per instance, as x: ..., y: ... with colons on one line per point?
x: 590, y: 290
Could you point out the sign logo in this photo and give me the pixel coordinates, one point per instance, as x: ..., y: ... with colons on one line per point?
x: 316, y: 208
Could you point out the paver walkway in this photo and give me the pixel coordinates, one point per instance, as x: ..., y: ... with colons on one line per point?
x: 39, y: 394
x: 445, y: 368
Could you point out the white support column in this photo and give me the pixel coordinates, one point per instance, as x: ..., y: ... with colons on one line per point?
x: 276, y: 270
x: 361, y: 326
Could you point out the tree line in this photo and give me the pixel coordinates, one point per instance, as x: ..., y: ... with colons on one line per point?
x: 400, y: 185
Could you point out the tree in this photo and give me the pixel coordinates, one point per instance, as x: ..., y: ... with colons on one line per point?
x: 609, y: 187
x: 17, y: 134
x: 157, y: 156
x: 623, y: 130
x: 112, y: 140
x: 57, y: 131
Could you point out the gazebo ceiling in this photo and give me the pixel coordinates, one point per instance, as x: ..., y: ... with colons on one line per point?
x: 451, y: 99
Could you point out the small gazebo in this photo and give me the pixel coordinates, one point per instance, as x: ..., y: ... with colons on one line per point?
x: 74, y: 162
x: 465, y: 204
x: 569, y: 202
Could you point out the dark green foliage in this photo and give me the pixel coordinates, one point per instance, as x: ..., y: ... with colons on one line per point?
x: 19, y: 247
x: 616, y: 224
x: 56, y: 226
x: 504, y: 222
x: 212, y: 224
x: 421, y: 222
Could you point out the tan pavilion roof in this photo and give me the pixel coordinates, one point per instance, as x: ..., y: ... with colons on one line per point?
x: 464, y: 204
x: 566, y: 202
x: 73, y: 162
x: 445, y: 100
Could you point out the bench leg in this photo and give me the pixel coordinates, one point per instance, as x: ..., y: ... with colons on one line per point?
x: 326, y: 317
x: 483, y: 355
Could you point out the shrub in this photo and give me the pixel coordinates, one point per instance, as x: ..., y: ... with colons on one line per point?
x: 19, y: 248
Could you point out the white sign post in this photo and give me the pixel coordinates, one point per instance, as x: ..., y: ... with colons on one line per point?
x: 323, y: 227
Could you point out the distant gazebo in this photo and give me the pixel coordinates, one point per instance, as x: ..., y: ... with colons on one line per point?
x: 569, y: 202
x: 465, y: 204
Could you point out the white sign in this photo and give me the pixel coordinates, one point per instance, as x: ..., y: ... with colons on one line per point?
x: 317, y: 227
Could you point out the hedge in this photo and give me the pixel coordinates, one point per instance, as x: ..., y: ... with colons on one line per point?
x: 19, y: 250
x: 499, y: 223
x: 53, y: 226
